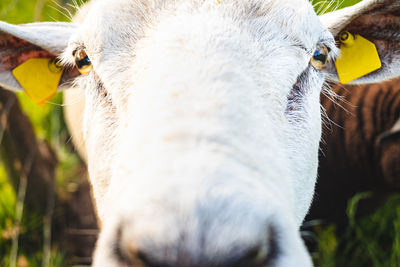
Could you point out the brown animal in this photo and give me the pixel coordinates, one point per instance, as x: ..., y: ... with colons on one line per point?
x: 360, y: 149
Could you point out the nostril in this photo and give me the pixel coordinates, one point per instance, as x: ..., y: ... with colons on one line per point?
x: 263, y: 254
x: 124, y: 251
x: 145, y: 260
x: 273, y: 247
x: 127, y: 254
x: 120, y: 253
x: 253, y: 258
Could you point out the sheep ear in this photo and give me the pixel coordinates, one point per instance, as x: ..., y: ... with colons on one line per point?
x: 21, y: 43
x: 392, y: 134
x: 377, y: 21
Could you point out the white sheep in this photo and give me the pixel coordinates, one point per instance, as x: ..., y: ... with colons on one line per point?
x: 202, y: 120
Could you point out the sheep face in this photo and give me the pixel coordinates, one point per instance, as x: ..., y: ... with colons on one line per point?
x: 202, y: 125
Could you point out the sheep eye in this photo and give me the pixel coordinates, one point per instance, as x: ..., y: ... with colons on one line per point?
x: 320, y: 57
x: 82, y: 61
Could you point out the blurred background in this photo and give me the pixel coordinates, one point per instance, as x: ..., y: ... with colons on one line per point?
x: 46, y: 217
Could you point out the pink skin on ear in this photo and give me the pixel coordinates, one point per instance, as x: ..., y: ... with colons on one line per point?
x: 15, y: 51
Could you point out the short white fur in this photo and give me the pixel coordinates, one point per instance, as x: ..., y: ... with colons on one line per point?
x: 201, y: 126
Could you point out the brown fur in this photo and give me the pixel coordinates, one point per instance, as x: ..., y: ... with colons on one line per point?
x: 351, y: 159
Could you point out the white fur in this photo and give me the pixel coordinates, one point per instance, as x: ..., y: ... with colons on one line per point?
x: 199, y: 145
x: 198, y: 130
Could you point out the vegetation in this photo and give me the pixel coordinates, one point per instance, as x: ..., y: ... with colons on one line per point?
x: 49, y: 125
x: 323, y: 6
x: 370, y: 241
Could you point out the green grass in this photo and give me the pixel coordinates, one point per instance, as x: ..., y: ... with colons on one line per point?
x: 322, y: 6
x: 30, y: 231
x: 373, y: 240
x: 24, y: 11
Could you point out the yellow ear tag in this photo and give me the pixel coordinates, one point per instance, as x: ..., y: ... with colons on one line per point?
x: 358, y: 57
x: 40, y: 78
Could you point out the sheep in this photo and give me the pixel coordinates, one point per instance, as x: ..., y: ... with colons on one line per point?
x: 360, y: 151
x: 201, y: 122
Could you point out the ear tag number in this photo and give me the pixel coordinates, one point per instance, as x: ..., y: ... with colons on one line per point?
x: 40, y: 78
x: 358, y: 57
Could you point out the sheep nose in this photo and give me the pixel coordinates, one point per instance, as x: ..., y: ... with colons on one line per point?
x: 180, y: 254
